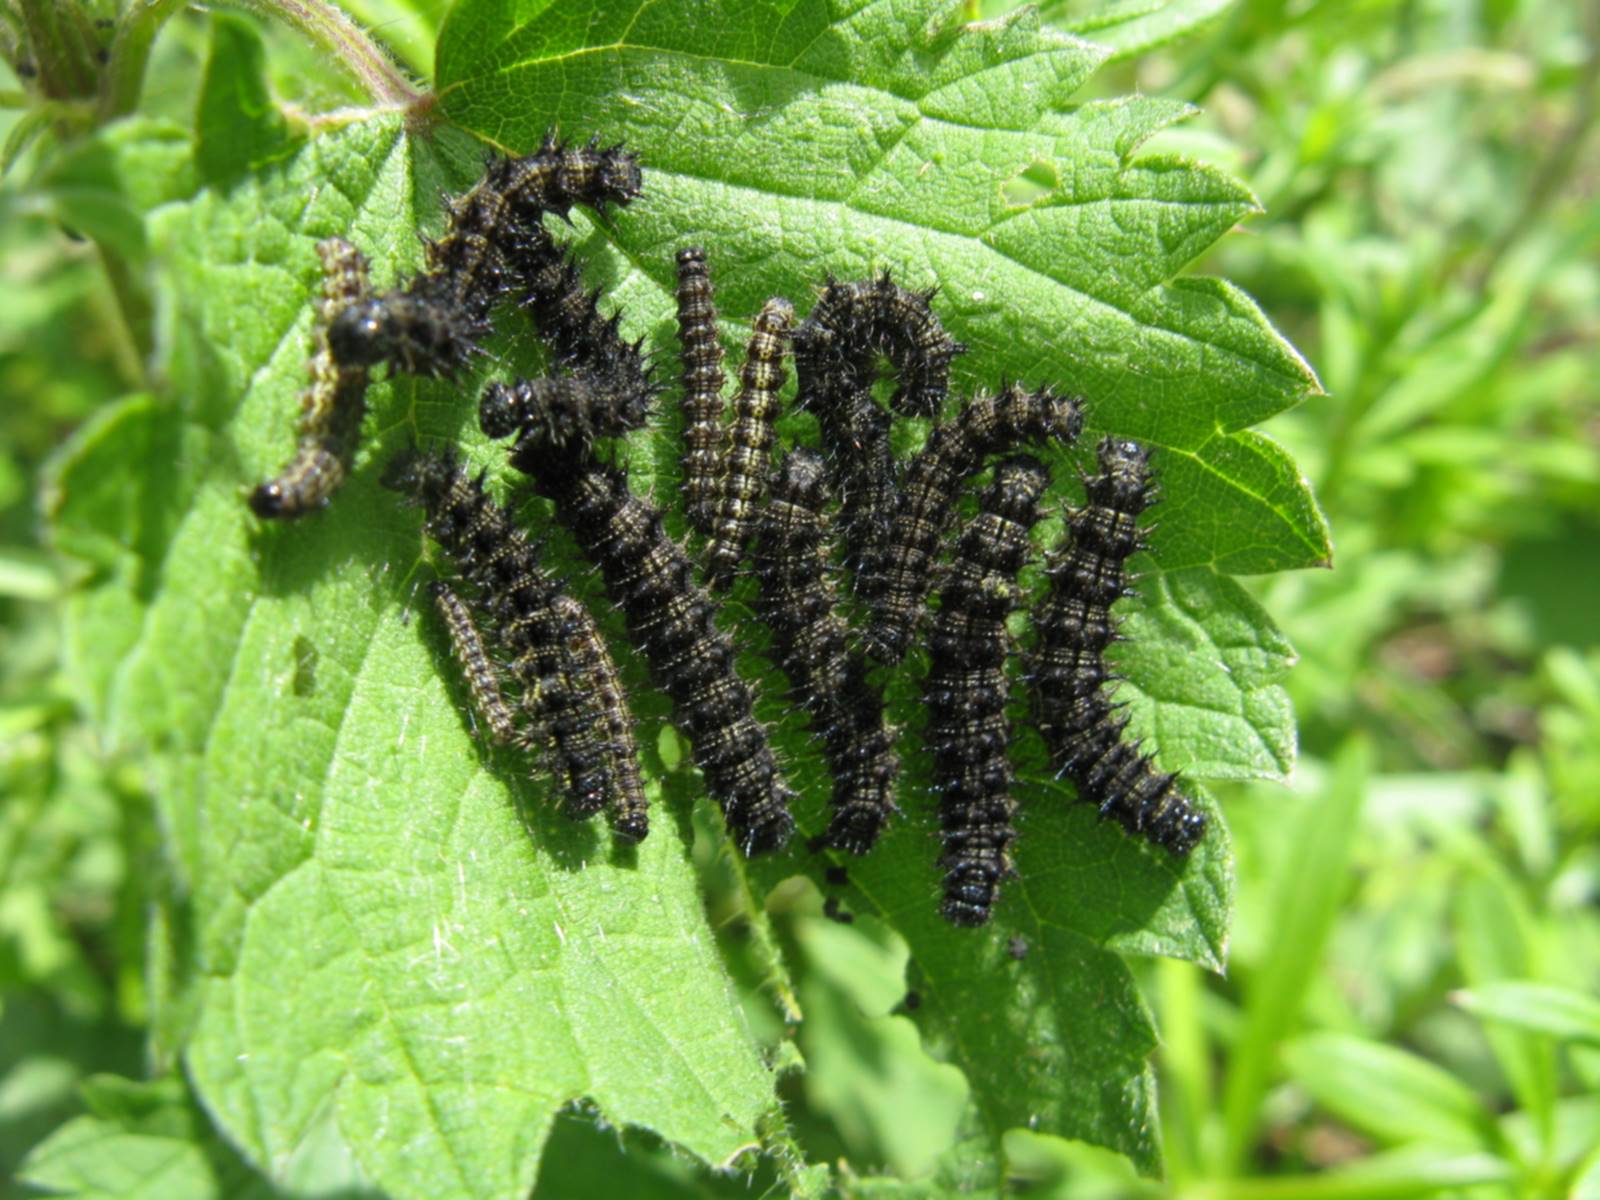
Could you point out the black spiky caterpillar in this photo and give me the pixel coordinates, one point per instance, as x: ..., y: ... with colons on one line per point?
x: 811, y: 642
x: 498, y: 561
x: 672, y: 621
x: 743, y: 478
x: 494, y: 238
x: 533, y: 619
x: 432, y: 325
x: 837, y: 349
x: 1073, y: 627
x: 855, y: 429
x: 898, y: 581
x: 570, y: 410
x: 568, y: 315
x: 331, y: 408
x: 560, y: 175
x: 703, y: 380
x: 552, y: 289
x: 837, y: 346
x: 477, y: 666
x: 968, y: 733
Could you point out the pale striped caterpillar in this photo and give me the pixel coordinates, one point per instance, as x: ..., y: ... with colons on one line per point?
x: 331, y: 408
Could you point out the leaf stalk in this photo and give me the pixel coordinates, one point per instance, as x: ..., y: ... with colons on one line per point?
x: 58, y: 37
x: 322, y: 23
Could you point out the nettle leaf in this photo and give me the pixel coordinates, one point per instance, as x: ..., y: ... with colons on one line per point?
x: 237, y: 124
x: 1132, y: 27
x: 140, y: 1140
x: 386, y: 939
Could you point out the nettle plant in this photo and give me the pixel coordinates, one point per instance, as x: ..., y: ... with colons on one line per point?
x: 379, y: 934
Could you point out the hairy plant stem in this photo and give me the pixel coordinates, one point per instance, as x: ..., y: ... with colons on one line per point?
x: 56, y: 35
x: 319, y: 22
x: 328, y: 26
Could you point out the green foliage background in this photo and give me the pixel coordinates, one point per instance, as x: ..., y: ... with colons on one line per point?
x: 272, y: 923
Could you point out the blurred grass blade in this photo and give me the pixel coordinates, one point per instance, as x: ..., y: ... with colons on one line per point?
x: 1308, y: 889
x: 1187, y: 1084
x: 1395, y: 1175
x: 28, y: 127
x: 1586, y: 1180
x: 1391, y: 1094
x: 27, y: 575
x: 1494, y: 932
x: 1564, y: 1013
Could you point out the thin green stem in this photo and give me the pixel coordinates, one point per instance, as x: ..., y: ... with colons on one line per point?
x: 328, y: 26
x: 130, y: 52
x: 324, y: 24
x: 10, y: 36
x: 133, y: 305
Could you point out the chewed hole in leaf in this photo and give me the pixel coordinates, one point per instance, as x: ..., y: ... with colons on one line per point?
x: 1035, y: 183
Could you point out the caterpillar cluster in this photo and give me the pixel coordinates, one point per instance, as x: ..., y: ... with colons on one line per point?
x: 494, y: 245
x: 673, y: 623
x: 550, y: 647
x: 534, y: 664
